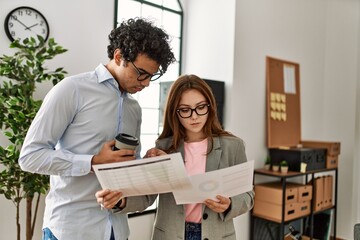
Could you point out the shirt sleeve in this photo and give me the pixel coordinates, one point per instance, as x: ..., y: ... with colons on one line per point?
x: 39, y: 153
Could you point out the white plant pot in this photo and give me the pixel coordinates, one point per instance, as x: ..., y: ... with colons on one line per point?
x: 284, y: 169
x: 267, y: 166
x: 275, y: 168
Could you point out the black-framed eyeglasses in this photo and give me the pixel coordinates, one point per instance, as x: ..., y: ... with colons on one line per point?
x: 200, y: 110
x: 143, y: 75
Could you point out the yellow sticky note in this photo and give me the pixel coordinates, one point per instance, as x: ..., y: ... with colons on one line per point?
x: 273, y: 115
x: 273, y: 106
x: 303, y: 167
x: 272, y: 97
x: 278, y: 97
x: 283, y: 98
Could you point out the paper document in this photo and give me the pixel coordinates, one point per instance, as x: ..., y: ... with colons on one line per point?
x: 227, y: 182
x: 144, y: 176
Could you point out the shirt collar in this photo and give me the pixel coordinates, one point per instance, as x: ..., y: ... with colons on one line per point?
x: 104, y: 75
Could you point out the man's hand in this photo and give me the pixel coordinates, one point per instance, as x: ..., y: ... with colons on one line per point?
x: 107, y: 155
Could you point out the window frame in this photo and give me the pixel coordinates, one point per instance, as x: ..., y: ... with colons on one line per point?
x: 181, y: 13
x: 161, y: 101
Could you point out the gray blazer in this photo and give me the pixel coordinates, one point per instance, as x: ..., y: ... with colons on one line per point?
x: 170, y: 218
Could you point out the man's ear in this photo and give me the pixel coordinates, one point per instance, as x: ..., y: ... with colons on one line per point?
x: 117, y: 56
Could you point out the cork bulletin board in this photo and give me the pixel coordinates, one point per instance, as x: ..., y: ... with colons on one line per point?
x: 283, y: 103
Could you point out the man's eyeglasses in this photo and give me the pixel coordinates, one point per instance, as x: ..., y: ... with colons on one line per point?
x: 143, y: 75
x: 200, y: 110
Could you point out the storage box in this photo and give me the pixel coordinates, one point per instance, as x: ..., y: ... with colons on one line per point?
x: 272, y: 211
x: 303, y: 208
x: 332, y: 161
x: 304, y: 191
x: 333, y: 148
x: 272, y: 192
x: 313, y: 158
x: 303, y: 237
x: 328, y: 191
x: 318, y: 194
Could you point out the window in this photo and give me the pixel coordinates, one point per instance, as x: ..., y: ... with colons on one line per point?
x: 168, y: 15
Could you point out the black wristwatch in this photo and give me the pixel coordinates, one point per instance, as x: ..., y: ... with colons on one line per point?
x: 117, y: 205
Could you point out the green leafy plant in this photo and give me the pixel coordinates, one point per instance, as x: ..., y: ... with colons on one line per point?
x: 267, y: 160
x: 267, y: 163
x: 19, y: 74
x: 283, y: 163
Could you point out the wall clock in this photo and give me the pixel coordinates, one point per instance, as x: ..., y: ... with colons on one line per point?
x: 25, y: 22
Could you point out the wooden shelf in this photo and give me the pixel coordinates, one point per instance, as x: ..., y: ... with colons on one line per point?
x: 284, y: 177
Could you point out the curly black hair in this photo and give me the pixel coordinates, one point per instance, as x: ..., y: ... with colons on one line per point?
x: 137, y: 35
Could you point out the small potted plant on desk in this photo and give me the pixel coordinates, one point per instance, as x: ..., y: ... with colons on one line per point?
x: 267, y: 163
x: 275, y: 166
x: 284, y: 167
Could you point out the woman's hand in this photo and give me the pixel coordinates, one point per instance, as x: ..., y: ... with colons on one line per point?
x: 108, y: 199
x: 154, y: 152
x: 218, y: 206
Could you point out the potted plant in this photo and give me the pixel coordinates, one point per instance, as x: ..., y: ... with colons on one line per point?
x: 267, y: 163
x: 275, y: 167
x: 19, y: 74
x: 284, y: 167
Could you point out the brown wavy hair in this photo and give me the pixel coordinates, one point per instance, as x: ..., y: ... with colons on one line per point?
x: 172, y: 126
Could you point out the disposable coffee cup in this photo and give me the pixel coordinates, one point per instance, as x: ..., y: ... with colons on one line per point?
x: 125, y: 141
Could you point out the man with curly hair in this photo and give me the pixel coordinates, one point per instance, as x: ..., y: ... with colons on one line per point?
x: 75, y: 127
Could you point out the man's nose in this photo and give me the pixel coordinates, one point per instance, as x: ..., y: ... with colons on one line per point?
x: 145, y: 82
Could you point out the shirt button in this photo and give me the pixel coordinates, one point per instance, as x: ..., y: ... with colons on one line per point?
x: 205, y: 216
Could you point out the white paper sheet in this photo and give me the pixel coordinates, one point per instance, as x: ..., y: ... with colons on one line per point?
x: 144, y: 176
x: 289, y: 79
x: 227, y: 182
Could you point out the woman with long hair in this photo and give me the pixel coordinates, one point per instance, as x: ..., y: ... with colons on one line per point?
x: 191, y: 127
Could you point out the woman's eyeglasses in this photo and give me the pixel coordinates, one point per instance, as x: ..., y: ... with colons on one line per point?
x: 143, y: 75
x: 187, y: 112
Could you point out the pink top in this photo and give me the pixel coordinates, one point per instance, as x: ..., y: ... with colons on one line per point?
x: 195, y: 163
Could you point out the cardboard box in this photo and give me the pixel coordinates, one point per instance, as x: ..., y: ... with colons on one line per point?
x: 304, y: 191
x: 332, y: 161
x: 303, y: 237
x: 318, y: 194
x: 328, y: 191
x: 314, y: 158
x: 333, y: 148
x: 272, y: 192
x: 272, y: 211
x: 303, y: 208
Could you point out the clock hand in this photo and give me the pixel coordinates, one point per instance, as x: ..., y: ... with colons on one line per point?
x: 21, y: 23
x: 28, y: 28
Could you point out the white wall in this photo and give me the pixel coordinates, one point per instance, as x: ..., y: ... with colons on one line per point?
x: 322, y: 36
x: 229, y: 40
x: 80, y: 26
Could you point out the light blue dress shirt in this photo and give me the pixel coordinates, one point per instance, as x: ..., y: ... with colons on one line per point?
x: 77, y: 117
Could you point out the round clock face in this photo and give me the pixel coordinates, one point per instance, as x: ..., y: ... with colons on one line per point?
x: 26, y: 22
